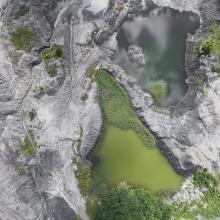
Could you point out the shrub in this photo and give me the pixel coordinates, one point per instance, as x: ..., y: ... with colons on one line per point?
x: 29, y: 145
x: 159, y: 91
x: 131, y: 204
x: 207, y: 47
x: 83, y: 176
x: 23, y: 11
x: 31, y: 115
x: 203, y: 179
x: 55, y: 52
x: 59, y: 52
x: 79, y: 139
x: 212, y: 43
x: 23, y: 38
x: 48, y: 54
x: 84, y: 97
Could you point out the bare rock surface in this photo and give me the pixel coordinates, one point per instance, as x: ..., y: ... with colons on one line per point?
x: 136, y: 55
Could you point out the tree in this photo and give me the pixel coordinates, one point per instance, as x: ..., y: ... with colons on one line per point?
x: 132, y: 204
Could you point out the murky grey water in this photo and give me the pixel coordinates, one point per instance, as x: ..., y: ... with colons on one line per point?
x: 162, y: 34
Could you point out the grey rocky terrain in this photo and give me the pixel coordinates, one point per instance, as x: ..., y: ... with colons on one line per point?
x: 43, y: 185
x: 135, y: 54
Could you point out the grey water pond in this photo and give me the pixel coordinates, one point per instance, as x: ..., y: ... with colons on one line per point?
x: 162, y: 34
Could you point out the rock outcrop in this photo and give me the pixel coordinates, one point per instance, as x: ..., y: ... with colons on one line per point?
x: 136, y: 55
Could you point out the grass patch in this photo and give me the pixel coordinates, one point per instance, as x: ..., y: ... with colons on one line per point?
x: 212, y: 43
x: 55, y: 52
x: 203, y: 179
x: 29, y: 145
x: 83, y: 175
x: 208, y: 206
x: 24, y: 38
x: 159, y: 91
x: 31, y: 115
x: 79, y: 139
x: 116, y: 106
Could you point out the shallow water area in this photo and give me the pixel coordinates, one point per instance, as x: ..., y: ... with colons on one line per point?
x: 162, y: 34
x: 123, y: 158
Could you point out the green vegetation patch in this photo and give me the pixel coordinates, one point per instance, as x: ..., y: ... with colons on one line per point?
x: 31, y: 115
x: 39, y: 90
x: 55, y: 52
x: 203, y: 179
x: 159, y: 91
x: 116, y: 106
x: 131, y: 204
x: 24, y: 38
x: 83, y: 175
x: 208, y: 206
x: 28, y: 145
x: 212, y: 43
x: 84, y: 97
x: 79, y: 139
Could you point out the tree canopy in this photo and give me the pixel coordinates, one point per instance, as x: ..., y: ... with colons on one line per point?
x: 132, y: 204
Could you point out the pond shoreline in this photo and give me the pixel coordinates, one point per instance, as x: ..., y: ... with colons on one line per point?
x: 171, y: 126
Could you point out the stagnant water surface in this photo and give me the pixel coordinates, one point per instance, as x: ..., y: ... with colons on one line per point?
x: 162, y: 34
x: 123, y: 157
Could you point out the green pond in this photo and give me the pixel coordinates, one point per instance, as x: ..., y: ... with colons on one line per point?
x: 123, y: 157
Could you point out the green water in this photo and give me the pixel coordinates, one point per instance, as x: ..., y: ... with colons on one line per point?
x: 122, y: 157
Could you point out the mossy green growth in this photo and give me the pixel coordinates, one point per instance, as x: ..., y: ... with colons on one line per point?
x: 212, y: 43
x: 203, y: 179
x: 55, y: 52
x: 84, y: 97
x: 79, y: 139
x: 28, y: 145
x: 116, y: 107
x: 23, y: 11
x: 31, y: 115
x: 159, y: 91
x: 83, y: 175
x: 24, y: 38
